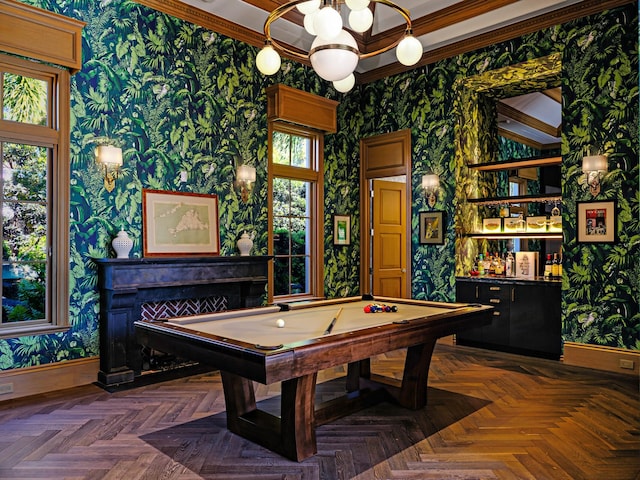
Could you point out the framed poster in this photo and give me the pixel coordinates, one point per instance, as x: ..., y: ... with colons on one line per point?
x: 179, y: 224
x: 342, y: 229
x: 596, y: 222
x: 432, y: 227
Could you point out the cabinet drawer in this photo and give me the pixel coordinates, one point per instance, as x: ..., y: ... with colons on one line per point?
x: 495, y: 295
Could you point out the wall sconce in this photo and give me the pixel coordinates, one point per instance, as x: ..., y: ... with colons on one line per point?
x: 594, y: 167
x: 245, y: 178
x: 110, y: 159
x: 431, y: 183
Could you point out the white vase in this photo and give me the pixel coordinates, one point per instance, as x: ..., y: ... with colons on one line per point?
x: 122, y: 244
x: 245, y: 244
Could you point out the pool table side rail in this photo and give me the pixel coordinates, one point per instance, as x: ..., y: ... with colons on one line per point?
x: 313, y: 355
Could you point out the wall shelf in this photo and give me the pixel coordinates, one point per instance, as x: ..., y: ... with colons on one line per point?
x: 528, y: 235
x: 516, y: 163
x: 544, y: 197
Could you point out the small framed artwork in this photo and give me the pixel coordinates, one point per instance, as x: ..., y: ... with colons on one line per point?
x: 342, y: 229
x: 596, y: 222
x: 526, y: 264
x: 432, y: 228
x: 179, y: 224
x: 492, y: 225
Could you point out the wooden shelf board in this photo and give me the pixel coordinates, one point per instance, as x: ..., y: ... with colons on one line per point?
x: 545, y: 197
x: 499, y: 236
x: 516, y: 163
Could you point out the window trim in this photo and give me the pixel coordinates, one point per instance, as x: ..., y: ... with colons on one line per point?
x: 314, y: 175
x: 55, y: 136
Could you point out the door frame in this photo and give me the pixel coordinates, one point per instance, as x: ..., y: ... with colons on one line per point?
x: 381, y: 156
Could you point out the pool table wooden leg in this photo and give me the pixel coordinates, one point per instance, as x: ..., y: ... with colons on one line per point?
x: 292, y: 435
x: 413, y: 391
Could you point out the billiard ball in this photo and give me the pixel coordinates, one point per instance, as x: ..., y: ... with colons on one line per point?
x: 280, y: 323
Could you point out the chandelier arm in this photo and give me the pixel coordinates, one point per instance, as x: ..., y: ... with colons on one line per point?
x: 275, y: 15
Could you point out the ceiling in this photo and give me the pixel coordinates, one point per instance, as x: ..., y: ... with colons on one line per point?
x: 444, y: 27
x: 534, y: 119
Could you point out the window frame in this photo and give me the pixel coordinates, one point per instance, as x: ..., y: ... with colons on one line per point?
x: 55, y: 137
x: 315, y: 176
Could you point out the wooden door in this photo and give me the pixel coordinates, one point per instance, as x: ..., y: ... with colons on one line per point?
x: 389, y: 259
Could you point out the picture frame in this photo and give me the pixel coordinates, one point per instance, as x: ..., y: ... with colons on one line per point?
x: 342, y: 229
x: 431, y: 227
x: 596, y: 222
x: 179, y: 224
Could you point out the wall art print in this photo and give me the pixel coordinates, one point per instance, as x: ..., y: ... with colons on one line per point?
x: 432, y: 227
x: 179, y: 224
x: 596, y: 222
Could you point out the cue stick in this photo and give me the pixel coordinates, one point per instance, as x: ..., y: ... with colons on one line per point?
x: 333, y: 322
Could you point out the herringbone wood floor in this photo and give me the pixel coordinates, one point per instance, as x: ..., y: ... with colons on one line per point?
x: 490, y: 416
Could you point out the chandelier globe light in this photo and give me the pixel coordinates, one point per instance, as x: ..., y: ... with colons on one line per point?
x: 346, y: 84
x: 357, y: 4
x: 334, y: 59
x: 334, y: 53
x: 409, y: 50
x: 308, y: 7
x: 268, y: 61
x: 361, y: 20
x: 327, y: 23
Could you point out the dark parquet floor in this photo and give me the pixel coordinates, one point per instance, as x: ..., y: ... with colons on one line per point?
x: 489, y: 416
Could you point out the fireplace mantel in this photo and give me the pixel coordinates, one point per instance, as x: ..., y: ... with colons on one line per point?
x: 126, y: 285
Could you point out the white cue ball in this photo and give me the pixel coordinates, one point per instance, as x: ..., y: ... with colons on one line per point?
x: 280, y: 323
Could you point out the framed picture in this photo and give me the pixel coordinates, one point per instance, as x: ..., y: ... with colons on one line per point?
x: 179, y: 224
x: 342, y: 229
x: 596, y: 222
x: 526, y: 264
x: 432, y: 227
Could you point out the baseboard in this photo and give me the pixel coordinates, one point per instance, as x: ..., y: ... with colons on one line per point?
x: 22, y: 382
x: 618, y: 360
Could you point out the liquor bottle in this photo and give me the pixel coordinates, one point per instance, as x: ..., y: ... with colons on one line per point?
x: 499, y: 268
x: 559, y: 266
x: 547, y: 267
x: 508, y: 268
x: 480, y: 264
x: 554, y: 266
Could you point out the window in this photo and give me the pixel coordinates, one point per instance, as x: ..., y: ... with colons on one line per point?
x: 296, y: 213
x: 34, y: 192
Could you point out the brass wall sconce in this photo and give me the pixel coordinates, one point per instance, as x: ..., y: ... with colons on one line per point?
x: 594, y: 167
x: 245, y: 178
x: 109, y: 158
x: 430, y: 184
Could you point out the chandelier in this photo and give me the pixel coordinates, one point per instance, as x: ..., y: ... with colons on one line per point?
x: 334, y: 53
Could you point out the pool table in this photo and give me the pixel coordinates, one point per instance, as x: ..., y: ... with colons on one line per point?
x: 248, y: 345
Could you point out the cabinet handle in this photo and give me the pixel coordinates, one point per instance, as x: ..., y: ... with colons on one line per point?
x: 494, y: 300
x: 476, y: 292
x: 496, y: 313
x: 494, y: 289
x: 513, y: 294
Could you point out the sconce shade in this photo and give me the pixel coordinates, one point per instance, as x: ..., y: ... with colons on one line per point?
x: 246, y: 174
x: 595, y: 163
x: 430, y: 181
x: 109, y: 155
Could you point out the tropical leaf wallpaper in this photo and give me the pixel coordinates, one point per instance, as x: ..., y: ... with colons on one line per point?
x: 186, y: 105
